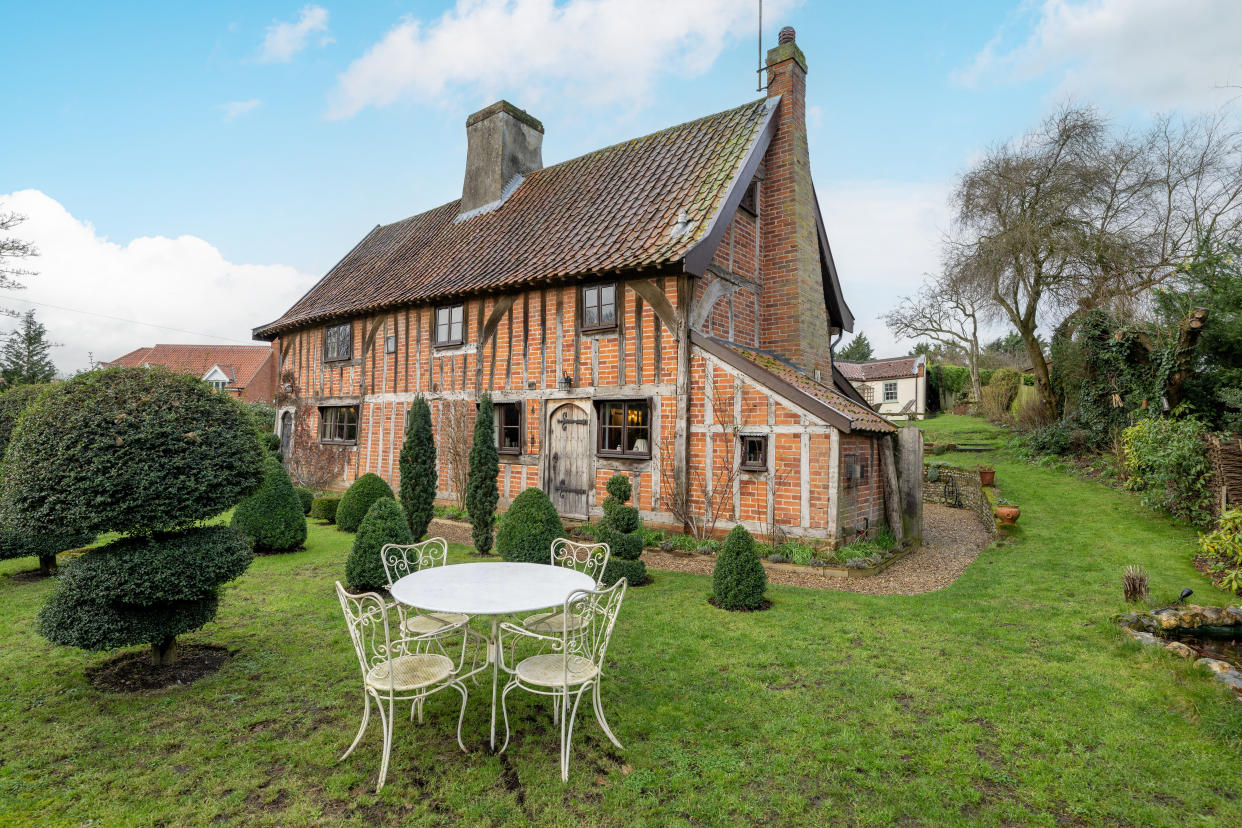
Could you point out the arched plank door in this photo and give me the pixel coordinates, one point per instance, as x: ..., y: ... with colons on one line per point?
x: 569, y: 457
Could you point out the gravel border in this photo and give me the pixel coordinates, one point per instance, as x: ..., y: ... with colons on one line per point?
x: 952, y: 539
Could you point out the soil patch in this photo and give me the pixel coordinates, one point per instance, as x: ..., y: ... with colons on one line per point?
x: 29, y: 576
x: 453, y: 531
x: 711, y: 599
x: 133, y: 672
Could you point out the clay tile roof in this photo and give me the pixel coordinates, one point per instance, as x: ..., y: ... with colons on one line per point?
x: 878, y: 369
x: 240, y: 362
x: 610, y: 210
x: 840, y: 407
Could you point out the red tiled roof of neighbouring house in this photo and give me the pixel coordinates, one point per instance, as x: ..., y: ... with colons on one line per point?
x: 611, y: 210
x: 240, y: 362
x: 834, y: 404
x: 878, y: 369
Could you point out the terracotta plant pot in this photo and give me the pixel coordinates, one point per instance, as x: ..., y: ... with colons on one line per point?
x: 987, y: 476
x: 1008, y: 515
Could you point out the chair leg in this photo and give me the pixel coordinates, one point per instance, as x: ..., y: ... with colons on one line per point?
x: 461, y: 717
x: 366, y: 717
x: 505, y: 712
x: 599, y: 716
x: 567, y: 730
x: 556, y: 709
x: 387, y: 725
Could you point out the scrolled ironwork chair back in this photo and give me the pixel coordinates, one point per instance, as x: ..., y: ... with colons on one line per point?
x: 366, y: 615
x: 591, y: 559
x: 598, y: 610
x: 403, y: 559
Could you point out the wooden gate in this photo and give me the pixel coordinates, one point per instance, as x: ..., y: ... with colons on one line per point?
x: 569, y: 456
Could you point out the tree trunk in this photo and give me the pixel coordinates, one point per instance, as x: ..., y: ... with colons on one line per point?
x: 47, y: 565
x: 1188, y: 332
x: 164, y: 653
x: 1039, y: 368
x: 976, y: 389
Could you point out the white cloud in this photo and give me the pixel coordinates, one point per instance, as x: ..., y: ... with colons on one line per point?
x: 235, y: 109
x: 284, y: 40
x: 1159, y: 54
x: 599, y: 51
x: 182, y: 283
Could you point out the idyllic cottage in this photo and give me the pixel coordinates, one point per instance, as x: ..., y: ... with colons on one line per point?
x: 664, y: 308
x: 895, y: 387
x: 247, y: 372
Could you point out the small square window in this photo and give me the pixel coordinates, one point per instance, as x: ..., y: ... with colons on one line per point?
x: 390, y: 344
x: 754, y: 452
x: 450, y: 325
x: 599, y: 307
x: 338, y: 424
x: 890, y: 392
x: 338, y: 342
x: 625, y: 428
x: 509, y: 428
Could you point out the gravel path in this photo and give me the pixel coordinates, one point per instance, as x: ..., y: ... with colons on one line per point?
x: 952, y: 539
x: 453, y: 531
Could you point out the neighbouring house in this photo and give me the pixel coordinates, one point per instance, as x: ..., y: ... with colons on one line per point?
x: 661, y: 308
x: 897, y: 387
x: 244, y: 371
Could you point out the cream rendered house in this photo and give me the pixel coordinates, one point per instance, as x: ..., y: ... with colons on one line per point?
x: 896, y: 388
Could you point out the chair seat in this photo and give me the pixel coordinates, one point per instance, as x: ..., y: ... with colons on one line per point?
x: 549, y: 670
x: 410, y: 672
x: 552, y: 623
x: 425, y: 623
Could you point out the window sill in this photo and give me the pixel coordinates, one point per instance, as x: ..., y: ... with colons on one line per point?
x: 338, y: 359
x: 338, y: 442
x: 620, y: 455
x: 753, y: 468
x: 440, y: 345
x: 601, y: 329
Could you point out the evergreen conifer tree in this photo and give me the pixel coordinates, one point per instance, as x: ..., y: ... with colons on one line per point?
x: 418, y: 469
x: 481, y: 491
x: 26, y: 355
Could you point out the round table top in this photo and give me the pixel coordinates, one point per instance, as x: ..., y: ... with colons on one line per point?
x: 489, y: 588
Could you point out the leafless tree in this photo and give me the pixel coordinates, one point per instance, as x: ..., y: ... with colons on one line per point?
x: 312, y: 464
x: 12, y: 251
x: 453, y: 440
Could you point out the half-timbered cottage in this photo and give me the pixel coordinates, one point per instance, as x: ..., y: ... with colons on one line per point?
x: 665, y: 307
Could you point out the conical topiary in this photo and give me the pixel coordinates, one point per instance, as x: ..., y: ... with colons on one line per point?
x: 526, y: 530
x: 358, y: 499
x: 418, y: 469
x: 384, y: 523
x: 739, y: 582
x: 622, y: 530
x: 272, y: 518
x: 481, y: 491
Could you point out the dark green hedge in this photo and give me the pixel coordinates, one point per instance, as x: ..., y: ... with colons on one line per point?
x: 306, y: 498
x: 272, y: 517
x: 385, y: 522
x: 12, y: 403
x: 128, y: 449
x: 528, y: 527
x: 358, y: 499
x: 418, y: 469
x: 739, y: 582
x: 324, y: 508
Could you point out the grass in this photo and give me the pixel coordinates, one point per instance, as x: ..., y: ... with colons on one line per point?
x: 1008, y: 698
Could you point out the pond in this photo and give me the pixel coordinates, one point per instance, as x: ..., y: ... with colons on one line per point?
x: 1223, y: 643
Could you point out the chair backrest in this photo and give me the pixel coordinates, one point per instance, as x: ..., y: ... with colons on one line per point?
x: 590, y: 559
x: 366, y: 615
x: 401, y: 559
x: 596, y: 613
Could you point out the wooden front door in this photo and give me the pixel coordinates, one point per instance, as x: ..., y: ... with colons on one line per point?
x: 569, y: 459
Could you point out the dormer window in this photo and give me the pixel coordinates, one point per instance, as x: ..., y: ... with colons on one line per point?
x: 217, y: 378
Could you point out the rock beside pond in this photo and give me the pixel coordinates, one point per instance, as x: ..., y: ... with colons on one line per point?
x: 1143, y: 637
x: 1215, y: 665
x: 1233, y: 678
x: 1178, y: 648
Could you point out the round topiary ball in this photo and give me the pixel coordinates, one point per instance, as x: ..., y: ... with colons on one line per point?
x: 128, y: 449
x: 634, y: 572
x: 305, y: 497
x: 358, y: 499
x: 272, y: 517
x: 619, y: 488
x: 738, y: 581
x: 385, y: 522
x: 528, y: 527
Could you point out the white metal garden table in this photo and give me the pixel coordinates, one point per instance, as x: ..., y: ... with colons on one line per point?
x: 491, y: 589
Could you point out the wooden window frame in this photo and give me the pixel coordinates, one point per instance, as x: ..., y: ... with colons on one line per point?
x: 762, y: 463
x: 601, y: 326
x: 884, y: 392
x: 520, y: 408
x: 350, y: 340
x: 323, y: 422
x: 600, y: 451
x: 435, y: 325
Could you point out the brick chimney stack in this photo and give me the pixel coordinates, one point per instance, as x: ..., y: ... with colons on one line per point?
x: 502, y: 142
x: 795, y: 316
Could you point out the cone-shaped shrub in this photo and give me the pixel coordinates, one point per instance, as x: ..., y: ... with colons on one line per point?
x: 305, y: 497
x: 358, y: 499
x: 526, y: 530
x: 384, y: 523
x: 142, y: 451
x: 272, y: 518
x: 418, y: 469
x: 14, y: 544
x: 739, y: 582
x: 621, y: 529
x: 481, y: 491
x: 324, y: 508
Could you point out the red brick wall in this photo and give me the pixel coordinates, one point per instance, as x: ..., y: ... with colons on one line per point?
x: 862, y: 499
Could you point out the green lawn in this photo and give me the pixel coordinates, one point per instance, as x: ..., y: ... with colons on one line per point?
x: 1008, y: 698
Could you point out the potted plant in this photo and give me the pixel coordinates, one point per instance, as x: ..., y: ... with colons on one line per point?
x: 1007, y: 512
x: 987, y: 475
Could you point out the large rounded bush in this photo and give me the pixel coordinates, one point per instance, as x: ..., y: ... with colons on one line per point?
x: 272, y: 517
x: 324, y: 508
x: 739, y: 582
x: 385, y: 522
x: 14, y: 544
x: 358, y: 499
x: 528, y: 527
x: 143, y: 589
x: 128, y: 449
x: 12, y: 403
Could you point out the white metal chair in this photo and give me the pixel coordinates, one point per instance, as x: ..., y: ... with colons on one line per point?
x: 575, y: 665
x: 390, y: 671
x: 401, y: 560
x: 588, y: 558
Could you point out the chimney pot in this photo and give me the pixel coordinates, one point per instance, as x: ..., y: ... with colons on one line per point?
x: 786, y: 35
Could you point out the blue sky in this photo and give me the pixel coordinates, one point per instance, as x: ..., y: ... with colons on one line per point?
x: 198, y: 166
